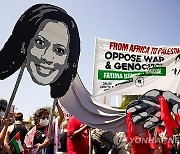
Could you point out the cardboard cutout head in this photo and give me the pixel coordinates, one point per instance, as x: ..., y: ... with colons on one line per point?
x: 48, y: 38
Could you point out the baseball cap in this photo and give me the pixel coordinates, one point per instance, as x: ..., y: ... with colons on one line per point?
x: 3, y: 104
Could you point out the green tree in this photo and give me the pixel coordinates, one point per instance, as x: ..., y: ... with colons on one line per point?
x: 128, y: 99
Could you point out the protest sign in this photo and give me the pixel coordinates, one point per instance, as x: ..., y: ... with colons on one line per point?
x: 132, y: 69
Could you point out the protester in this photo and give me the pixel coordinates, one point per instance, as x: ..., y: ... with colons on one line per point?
x: 176, y: 144
x: 161, y: 141
x: 138, y: 145
x: 120, y: 144
x: 13, y: 130
x: 4, y: 123
x: 37, y: 139
x: 77, y: 141
x: 102, y: 141
x: 63, y: 138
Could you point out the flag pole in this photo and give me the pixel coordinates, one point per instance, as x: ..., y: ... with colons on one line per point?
x: 90, y: 143
x: 50, y: 123
x: 15, y: 89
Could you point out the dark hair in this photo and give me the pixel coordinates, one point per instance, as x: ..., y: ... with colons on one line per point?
x: 39, y: 112
x: 12, y: 56
x: 18, y: 116
x: 3, y: 104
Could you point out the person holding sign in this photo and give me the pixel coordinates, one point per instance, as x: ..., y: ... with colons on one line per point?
x: 78, y: 137
x: 37, y: 140
x: 46, y: 40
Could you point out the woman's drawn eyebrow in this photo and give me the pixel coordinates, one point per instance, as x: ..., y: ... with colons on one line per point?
x: 50, y: 42
x: 43, y: 37
x: 61, y: 46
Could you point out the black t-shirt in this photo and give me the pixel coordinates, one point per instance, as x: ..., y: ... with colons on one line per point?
x: 39, y: 136
x: 63, y: 140
x: 23, y: 131
x: 18, y: 128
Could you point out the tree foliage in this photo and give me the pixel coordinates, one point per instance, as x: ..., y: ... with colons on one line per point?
x: 128, y: 99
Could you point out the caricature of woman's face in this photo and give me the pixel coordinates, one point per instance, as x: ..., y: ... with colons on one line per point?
x: 48, y: 52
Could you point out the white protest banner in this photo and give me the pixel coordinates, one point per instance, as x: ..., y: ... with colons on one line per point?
x: 131, y: 69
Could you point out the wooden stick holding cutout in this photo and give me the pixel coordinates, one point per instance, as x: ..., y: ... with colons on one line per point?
x: 50, y: 123
x: 15, y: 89
x: 90, y: 143
x: 51, y: 117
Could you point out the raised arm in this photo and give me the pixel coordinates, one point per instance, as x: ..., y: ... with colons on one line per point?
x: 6, y: 140
x: 60, y: 112
x: 3, y: 131
x: 79, y: 132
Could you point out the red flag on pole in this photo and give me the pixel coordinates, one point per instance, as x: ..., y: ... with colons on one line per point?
x: 166, y: 116
x: 131, y: 127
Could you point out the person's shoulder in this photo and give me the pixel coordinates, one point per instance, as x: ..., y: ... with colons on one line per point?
x: 32, y: 130
x: 10, y: 128
x: 73, y: 119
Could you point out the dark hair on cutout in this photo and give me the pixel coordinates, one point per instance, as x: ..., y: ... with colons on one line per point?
x: 12, y: 56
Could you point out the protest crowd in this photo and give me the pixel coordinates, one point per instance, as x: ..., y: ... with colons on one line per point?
x: 71, y: 136
x: 46, y: 41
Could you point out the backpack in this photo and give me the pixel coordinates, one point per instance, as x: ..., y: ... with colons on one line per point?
x: 102, y: 139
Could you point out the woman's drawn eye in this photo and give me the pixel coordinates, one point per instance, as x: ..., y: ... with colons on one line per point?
x: 40, y: 42
x: 59, y: 51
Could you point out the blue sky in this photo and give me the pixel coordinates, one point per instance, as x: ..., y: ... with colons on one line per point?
x: 152, y: 22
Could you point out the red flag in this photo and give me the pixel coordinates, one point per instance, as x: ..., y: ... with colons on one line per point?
x: 131, y: 127
x: 152, y: 143
x: 17, y: 136
x: 167, y: 117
